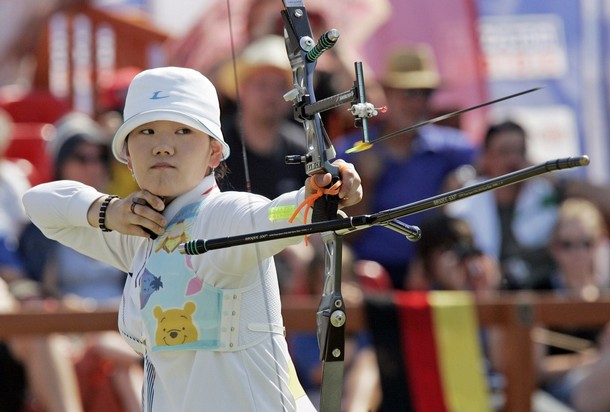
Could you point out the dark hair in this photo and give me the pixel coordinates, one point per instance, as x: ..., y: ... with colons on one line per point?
x: 70, y: 146
x: 72, y: 130
x: 221, y: 171
x: 440, y: 233
x: 505, y: 126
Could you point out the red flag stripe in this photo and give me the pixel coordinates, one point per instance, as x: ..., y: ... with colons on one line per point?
x: 420, y: 352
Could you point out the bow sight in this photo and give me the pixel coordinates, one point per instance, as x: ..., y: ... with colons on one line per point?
x: 303, y: 53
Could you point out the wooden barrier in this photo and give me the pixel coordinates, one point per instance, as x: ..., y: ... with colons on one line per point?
x: 515, y: 313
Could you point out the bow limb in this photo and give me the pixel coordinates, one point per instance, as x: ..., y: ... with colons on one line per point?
x: 303, y: 53
x: 331, y: 318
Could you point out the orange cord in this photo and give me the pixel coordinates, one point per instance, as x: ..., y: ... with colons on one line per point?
x: 308, y: 203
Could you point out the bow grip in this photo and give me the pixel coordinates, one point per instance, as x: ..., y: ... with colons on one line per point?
x: 326, y: 206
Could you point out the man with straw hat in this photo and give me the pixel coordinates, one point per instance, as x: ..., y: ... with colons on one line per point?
x: 263, y: 75
x: 409, y: 167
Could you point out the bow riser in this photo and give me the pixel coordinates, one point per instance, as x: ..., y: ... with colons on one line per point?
x: 303, y: 52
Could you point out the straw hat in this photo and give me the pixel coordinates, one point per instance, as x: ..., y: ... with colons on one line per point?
x: 266, y: 52
x: 411, y: 67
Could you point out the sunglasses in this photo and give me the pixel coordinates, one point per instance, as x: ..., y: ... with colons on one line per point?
x: 568, y: 244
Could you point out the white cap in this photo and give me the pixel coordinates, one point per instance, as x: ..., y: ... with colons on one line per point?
x: 170, y: 93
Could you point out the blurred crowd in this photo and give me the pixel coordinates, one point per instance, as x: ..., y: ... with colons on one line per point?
x: 547, y: 234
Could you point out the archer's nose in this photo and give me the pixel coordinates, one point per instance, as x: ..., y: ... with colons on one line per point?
x: 163, y: 149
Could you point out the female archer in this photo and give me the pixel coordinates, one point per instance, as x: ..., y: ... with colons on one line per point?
x: 208, y: 326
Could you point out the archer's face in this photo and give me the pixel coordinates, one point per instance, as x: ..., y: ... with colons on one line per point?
x: 169, y: 159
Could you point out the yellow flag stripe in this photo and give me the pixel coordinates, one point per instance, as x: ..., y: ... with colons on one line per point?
x: 459, y: 350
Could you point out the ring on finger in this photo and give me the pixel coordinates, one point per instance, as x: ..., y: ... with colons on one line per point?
x: 132, y: 207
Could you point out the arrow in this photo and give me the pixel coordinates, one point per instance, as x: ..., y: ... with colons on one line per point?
x: 362, y: 145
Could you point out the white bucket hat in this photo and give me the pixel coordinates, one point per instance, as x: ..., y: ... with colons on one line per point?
x: 170, y: 93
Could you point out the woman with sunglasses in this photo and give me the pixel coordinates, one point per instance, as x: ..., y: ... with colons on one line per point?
x: 574, y: 364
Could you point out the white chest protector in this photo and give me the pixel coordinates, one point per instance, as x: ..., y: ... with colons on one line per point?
x: 180, y: 311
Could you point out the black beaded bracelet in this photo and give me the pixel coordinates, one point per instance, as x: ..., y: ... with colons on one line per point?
x: 102, y: 219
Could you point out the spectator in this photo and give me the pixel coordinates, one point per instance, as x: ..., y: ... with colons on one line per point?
x: 264, y: 75
x: 25, y: 357
x: 36, y: 369
x: 81, y: 152
x: 406, y: 168
x: 513, y: 223
x: 112, y: 94
x: 262, y: 124
x: 13, y: 184
x: 574, y: 373
x: 446, y: 259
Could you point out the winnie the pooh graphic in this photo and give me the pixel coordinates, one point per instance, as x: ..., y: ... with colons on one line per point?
x: 175, y: 326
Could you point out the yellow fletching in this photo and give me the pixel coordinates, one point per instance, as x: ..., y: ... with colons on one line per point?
x: 359, y: 147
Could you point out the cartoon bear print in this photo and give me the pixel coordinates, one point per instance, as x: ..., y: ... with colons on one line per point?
x: 175, y: 326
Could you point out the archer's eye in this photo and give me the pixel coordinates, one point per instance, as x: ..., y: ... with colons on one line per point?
x: 146, y: 131
x: 184, y: 130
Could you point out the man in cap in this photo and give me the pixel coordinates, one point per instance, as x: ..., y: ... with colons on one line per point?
x: 409, y: 167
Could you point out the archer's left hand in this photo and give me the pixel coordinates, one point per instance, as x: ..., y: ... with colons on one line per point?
x: 350, y: 190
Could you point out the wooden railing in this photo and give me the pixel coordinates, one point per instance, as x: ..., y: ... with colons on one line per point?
x: 515, y: 314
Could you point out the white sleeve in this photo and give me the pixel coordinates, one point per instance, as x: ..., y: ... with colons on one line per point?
x: 239, y: 213
x: 59, y: 209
